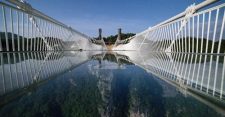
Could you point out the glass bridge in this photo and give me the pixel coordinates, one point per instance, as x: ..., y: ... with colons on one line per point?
x: 175, y: 68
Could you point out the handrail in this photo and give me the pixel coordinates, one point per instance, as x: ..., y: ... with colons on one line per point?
x: 197, y: 7
x: 180, y: 15
x: 26, y: 7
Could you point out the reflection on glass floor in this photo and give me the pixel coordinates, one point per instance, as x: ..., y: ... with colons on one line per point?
x: 194, y: 75
x: 193, y: 70
x: 19, y: 70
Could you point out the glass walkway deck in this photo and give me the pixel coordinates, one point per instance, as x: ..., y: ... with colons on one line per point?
x: 176, y: 68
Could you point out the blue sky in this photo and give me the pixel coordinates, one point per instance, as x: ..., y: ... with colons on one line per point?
x: 134, y: 16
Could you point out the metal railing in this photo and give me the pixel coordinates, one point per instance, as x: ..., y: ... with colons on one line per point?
x: 195, y: 32
x: 23, y: 28
x: 189, y: 48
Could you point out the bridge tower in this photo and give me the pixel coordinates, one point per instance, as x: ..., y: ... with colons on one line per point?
x: 119, y: 34
x: 100, y: 34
